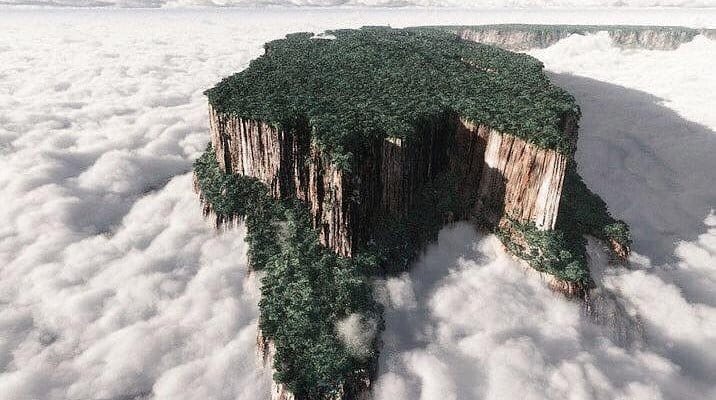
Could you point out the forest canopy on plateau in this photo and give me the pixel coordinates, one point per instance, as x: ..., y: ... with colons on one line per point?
x: 353, y: 86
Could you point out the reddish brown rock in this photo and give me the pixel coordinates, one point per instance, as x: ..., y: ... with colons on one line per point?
x: 505, y: 174
x: 520, y: 180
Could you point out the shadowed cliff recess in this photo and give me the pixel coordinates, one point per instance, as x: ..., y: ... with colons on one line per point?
x: 346, y: 152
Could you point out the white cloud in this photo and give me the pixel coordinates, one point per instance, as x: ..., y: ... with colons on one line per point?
x: 357, y: 332
x: 396, y: 293
x: 162, y: 303
x: 485, y: 329
x: 367, y: 3
x: 676, y: 77
x: 113, y: 286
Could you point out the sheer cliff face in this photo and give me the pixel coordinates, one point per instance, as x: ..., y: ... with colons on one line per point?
x: 501, y: 174
x: 498, y: 175
x: 291, y: 166
x: 525, y: 38
x: 519, y: 180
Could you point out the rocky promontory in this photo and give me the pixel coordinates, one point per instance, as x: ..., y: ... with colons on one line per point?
x: 518, y: 37
x: 345, y: 153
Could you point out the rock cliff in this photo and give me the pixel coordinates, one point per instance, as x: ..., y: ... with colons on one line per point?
x: 524, y: 181
x: 499, y: 174
x: 291, y: 166
x: 347, y: 155
x: 519, y: 37
x: 504, y: 175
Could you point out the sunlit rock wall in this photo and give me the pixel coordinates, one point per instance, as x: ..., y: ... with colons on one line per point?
x: 291, y: 166
x: 501, y: 174
x: 519, y: 180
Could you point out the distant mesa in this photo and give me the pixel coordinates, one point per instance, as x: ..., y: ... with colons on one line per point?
x: 518, y: 37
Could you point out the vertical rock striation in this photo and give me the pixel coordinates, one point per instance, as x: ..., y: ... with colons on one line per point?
x: 504, y: 175
x: 520, y: 180
x: 291, y: 166
x: 498, y: 175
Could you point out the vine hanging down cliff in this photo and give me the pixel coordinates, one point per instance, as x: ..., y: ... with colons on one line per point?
x: 345, y: 153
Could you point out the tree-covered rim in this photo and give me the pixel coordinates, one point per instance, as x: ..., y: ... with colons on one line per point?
x: 354, y: 86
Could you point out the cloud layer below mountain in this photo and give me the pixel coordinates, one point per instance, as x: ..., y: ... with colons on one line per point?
x: 367, y: 3
x: 113, y: 287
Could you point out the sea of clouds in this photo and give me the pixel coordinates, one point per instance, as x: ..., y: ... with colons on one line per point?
x: 365, y: 3
x: 112, y: 286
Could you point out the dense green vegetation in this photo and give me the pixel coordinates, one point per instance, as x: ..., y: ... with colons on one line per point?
x: 306, y: 288
x: 380, y: 82
x: 237, y: 196
x: 546, y: 250
x: 582, y: 212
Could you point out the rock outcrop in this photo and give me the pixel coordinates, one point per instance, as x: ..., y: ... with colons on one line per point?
x: 291, y: 166
x: 505, y: 175
x: 518, y: 179
x: 500, y: 174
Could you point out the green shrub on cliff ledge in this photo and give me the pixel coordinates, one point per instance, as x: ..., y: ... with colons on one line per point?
x: 562, y: 252
x: 238, y: 196
x: 379, y: 82
x: 546, y: 251
x: 306, y: 288
x: 582, y: 212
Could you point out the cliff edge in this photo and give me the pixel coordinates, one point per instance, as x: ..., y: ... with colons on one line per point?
x: 520, y: 37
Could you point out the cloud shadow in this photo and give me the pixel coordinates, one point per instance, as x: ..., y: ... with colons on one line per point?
x: 655, y: 169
